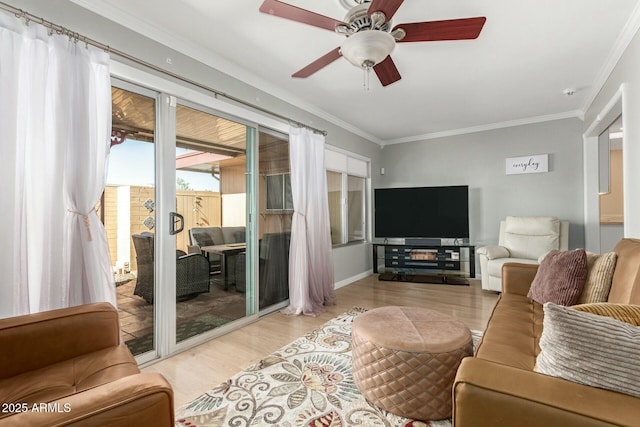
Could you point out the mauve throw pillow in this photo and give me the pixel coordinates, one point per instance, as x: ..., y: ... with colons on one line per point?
x: 560, y: 277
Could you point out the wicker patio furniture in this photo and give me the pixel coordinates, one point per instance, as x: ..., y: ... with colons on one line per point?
x: 192, y: 270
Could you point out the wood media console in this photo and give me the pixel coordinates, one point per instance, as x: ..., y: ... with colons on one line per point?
x: 452, y: 264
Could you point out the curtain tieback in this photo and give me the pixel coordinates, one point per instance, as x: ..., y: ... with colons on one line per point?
x: 303, y: 215
x: 85, y: 218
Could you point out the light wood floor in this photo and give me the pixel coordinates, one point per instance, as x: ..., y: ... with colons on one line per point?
x: 201, y: 368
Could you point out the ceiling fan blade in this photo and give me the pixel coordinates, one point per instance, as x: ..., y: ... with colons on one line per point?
x: 387, y: 72
x: 388, y: 7
x: 294, y: 13
x: 452, y: 29
x: 319, y: 63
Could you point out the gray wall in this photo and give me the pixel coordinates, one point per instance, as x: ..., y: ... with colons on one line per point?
x: 478, y: 160
x: 627, y: 72
x: 610, y: 234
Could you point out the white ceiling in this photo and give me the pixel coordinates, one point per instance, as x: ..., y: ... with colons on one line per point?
x: 515, y: 72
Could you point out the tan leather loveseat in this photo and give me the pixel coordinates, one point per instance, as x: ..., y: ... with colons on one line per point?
x: 498, y: 387
x: 67, y: 368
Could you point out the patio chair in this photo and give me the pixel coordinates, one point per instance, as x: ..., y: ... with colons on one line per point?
x: 202, y: 236
x: 273, y: 269
x: 192, y: 271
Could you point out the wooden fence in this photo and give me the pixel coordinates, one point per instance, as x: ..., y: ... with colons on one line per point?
x: 199, y: 208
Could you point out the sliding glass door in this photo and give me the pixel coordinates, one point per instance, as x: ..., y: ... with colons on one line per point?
x: 127, y: 209
x: 212, y: 194
x: 197, y: 211
x: 274, y: 223
x: 177, y: 209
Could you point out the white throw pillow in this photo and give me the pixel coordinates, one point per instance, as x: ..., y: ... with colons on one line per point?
x: 589, y: 349
x: 600, y: 268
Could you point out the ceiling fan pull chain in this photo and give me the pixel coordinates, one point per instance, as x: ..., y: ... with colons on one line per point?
x: 365, y: 83
x: 367, y: 66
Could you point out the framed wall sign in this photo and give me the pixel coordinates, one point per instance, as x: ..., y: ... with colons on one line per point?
x: 537, y: 163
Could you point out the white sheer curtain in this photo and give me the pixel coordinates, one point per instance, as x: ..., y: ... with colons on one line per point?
x: 311, y: 283
x: 55, y: 125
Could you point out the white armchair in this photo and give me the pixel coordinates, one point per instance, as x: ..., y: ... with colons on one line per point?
x: 523, y: 240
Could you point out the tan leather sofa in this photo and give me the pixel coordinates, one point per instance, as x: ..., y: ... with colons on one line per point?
x: 67, y: 368
x: 498, y: 387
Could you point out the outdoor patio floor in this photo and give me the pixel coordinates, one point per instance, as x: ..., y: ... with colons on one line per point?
x: 205, y: 311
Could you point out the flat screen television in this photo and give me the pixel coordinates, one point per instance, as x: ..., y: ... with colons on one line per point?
x: 422, y: 212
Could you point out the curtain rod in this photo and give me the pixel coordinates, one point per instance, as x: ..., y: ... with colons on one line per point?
x: 88, y: 41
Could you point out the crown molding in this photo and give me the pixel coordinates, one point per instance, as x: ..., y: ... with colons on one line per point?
x: 216, y: 61
x: 223, y: 65
x: 622, y: 42
x: 481, y: 128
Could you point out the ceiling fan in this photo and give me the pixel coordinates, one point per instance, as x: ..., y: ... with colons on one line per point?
x: 369, y: 35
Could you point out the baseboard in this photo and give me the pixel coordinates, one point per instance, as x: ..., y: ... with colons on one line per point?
x: 350, y: 280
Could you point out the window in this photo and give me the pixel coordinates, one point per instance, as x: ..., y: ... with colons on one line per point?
x: 346, y: 186
x: 279, y: 192
x: 355, y: 208
x: 334, y: 188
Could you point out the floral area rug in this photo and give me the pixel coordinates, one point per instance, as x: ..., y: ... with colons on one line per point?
x: 306, y: 383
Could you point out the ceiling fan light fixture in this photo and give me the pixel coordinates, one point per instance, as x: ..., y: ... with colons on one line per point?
x: 367, y: 48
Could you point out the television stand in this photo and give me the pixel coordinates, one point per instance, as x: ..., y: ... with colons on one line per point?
x: 425, y: 263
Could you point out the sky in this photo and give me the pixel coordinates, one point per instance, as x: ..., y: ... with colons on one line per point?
x: 132, y: 163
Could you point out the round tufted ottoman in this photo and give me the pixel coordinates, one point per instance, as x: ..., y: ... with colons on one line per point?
x: 405, y: 359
